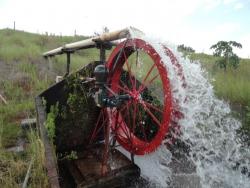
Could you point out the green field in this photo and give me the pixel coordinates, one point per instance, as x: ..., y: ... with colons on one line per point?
x: 24, y: 73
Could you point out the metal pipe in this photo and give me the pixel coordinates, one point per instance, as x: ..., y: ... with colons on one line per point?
x: 88, y: 43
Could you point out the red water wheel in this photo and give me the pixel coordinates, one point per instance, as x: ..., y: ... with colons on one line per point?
x: 141, y: 123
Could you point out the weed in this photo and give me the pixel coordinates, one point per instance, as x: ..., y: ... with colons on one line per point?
x: 50, y: 122
x: 37, y: 153
x: 72, y: 155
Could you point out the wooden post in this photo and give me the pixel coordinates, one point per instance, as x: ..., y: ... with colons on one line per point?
x: 3, y: 99
x: 102, y: 53
x: 25, y: 182
x: 68, y: 63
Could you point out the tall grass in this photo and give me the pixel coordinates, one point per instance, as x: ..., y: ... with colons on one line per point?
x: 233, y: 84
x: 37, y: 154
x: 28, y: 75
x: 24, y: 46
x: 14, y: 166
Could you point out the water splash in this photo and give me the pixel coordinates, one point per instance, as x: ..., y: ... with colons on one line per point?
x: 154, y: 166
x: 207, y: 128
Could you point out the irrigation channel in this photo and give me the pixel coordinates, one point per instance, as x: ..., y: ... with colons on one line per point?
x: 215, y: 153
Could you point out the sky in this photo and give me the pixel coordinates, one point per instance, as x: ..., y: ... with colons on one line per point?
x: 195, y: 23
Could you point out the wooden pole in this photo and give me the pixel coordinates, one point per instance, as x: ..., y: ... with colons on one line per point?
x: 68, y: 64
x: 25, y: 183
x: 3, y: 99
x: 88, y: 43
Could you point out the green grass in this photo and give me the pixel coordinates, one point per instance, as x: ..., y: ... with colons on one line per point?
x: 27, y: 75
x: 31, y: 73
x: 233, y: 84
x: 14, y: 166
x: 21, y: 46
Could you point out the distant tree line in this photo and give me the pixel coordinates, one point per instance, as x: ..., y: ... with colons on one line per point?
x: 185, y: 49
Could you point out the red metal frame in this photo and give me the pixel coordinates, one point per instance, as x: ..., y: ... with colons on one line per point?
x: 114, y: 118
x: 124, y: 135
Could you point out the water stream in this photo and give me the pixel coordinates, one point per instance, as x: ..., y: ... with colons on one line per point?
x: 208, y: 130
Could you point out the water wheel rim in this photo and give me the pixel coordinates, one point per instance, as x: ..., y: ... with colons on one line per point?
x: 124, y: 135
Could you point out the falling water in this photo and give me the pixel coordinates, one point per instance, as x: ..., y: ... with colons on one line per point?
x: 208, y: 129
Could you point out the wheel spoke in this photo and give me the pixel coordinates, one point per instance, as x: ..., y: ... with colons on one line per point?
x: 152, y: 115
x: 148, y: 73
x: 124, y: 130
x: 97, y: 126
x: 151, y: 106
x: 142, y: 123
x: 123, y: 89
x: 122, y: 136
x: 134, y: 116
x: 124, y: 85
x: 128, y: 115
x: 131, y: 76
x: 136, y: 64
x: 143, y: 86
x: 120, y: 121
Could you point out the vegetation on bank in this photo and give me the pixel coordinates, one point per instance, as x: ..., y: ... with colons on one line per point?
x: 232, y: 85
x: 24, y: 73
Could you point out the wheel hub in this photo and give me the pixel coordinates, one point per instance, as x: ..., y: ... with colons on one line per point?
x: 136, y: 96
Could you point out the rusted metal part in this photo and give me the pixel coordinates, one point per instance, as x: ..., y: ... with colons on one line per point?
x: 106, y: 149
x: 51, y: 164
x: 74, y: 136
x: 89, y: 43
x: 86, y: 170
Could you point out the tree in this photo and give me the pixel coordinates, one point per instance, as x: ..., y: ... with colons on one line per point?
x: 185, y: 49
x: 224, y: 50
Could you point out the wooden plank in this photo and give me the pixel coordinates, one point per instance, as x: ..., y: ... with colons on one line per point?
x: 51, y: 164
x: 86, y: 170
